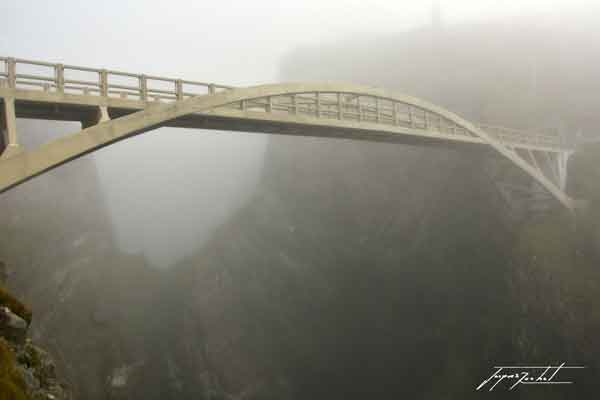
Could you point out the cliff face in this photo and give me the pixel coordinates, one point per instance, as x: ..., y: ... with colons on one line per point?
x: 556, y: 279
x: 87, y: 296
x: 26, y: 371
x: 358, y: 271
x: 363, y: 270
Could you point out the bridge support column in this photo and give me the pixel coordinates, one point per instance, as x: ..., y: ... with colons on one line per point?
x: 101, y: 115
x: 563, y: 160
x: 8, y: 129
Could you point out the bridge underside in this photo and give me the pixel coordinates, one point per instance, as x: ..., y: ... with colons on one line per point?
x: 87, y: 115
x: 87, y: 111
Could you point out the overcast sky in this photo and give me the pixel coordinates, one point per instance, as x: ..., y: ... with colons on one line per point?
x: 167, y: 190
x: 239, y: 42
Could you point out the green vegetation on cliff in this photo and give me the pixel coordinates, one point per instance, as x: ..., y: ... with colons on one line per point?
x: 12, y: 386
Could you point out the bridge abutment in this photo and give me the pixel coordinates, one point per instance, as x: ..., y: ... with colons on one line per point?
x: 8, y: 129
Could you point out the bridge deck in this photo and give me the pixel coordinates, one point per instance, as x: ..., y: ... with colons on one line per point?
x: 50, y: 106
x: 70, y: 93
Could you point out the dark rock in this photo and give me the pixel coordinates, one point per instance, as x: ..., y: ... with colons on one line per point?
x: 583, y: 184
x: 584, y: 174
x: 12, y: 326
x: 36, y: 372
x: 3, y: 273
x: 14, y: 305
x: 26, y: 371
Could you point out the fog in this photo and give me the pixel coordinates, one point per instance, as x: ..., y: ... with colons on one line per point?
x: 169, y: 189
x: 203, y: 264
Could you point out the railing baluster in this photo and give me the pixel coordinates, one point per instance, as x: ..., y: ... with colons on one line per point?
x: 4, y: 81
x: 179, y: 89
x: 143, y: 87
x: 360, y: 111
x: 59, y: 77
x: 11, y: 67
x: 318, y: 105
x: 103, y: 76
x: 340, y: 106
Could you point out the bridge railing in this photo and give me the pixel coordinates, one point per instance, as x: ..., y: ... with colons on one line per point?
x: 516, y: 136
x: 28, y: 74
x: 60, y: 78
x: 372, y: 109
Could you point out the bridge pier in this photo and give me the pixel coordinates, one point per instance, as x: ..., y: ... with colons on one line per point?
x: 100, y: 115
x: 8, y: 129
x: 563, y: 161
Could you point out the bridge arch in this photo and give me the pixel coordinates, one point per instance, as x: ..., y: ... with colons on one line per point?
x: 381, y: 115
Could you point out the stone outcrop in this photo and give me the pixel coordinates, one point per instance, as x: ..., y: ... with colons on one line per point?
x: 12, y: 327
x: 26, y: 371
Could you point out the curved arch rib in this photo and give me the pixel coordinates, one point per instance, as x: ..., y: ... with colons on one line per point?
x: 343, y: 109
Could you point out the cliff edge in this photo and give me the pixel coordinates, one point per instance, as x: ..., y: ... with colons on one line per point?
x: 26, y: 371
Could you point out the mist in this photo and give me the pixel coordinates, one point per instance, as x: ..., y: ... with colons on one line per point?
x: 166, y: 191
x: 208, y: 264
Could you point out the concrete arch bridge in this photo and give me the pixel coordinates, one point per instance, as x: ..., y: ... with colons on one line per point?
x: 114, y: 105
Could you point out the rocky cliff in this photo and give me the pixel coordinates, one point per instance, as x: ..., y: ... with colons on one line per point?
x: 26, y: 371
